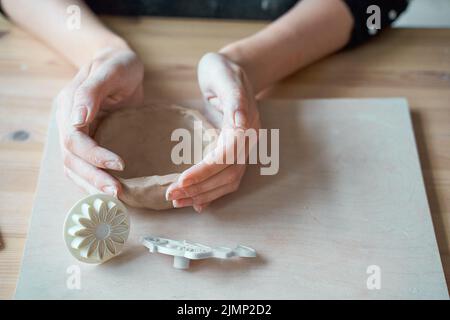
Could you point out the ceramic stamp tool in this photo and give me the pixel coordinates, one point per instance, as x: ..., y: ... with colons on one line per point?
x: 184, y: 251
x: 96, y: 228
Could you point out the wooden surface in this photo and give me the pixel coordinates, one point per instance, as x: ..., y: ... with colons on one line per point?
x: 340, y: 202
x: 410, y: 63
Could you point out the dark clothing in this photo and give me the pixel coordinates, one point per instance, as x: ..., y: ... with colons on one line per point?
x: 390, y: 11
x: 218, y: 9
x: 246, y: 9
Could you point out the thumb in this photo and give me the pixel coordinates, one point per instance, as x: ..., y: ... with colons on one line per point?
x: 88, y: 98
x: 235, y: 108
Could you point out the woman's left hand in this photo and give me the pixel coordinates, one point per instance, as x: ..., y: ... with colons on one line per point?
x: 225, y: 86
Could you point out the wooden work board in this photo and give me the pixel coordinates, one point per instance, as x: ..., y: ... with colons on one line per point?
x: 348, y: 202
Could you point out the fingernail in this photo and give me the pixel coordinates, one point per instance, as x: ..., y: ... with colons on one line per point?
x: 239, y: 119
x: 175, y: 194
x: 198, y: 208
x: 111, y: 190
x: 175, y: 204
x: 187, y: 182
x: 78, y: 116
x: 167, y: 195
x: 114, y: 165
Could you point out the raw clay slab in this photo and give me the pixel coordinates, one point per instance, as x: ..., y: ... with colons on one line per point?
x: 349, y: 194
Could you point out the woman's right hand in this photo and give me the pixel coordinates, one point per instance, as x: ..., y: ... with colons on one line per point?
x: 113, y: 79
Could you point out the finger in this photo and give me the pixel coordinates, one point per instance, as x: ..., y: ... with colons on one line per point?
x: 181, y: 203
x: 64, y: 101
x: 74, y: 140
x: 97, y: 178
x: 231, y: 99
x: 203, y: 199
x: 86, y: 148
x: 175, y: 191
x: 213, y: 163
x: 200, y: 208
x: 88, y: 96
x: 214, y: 194
x: 229, y: 175
x: 83, y: 184
x: 226, y: 153
x: 235, y: 108
x: 188, y: 202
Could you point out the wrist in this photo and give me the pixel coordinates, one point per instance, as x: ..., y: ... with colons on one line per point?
x: 238, y: 53
x: 99, y: 45
x: 109, y: 43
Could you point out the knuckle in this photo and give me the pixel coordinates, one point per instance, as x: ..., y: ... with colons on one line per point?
x: 99, y: 180
x: 93, y: 157
x: 95, y: 180
x: 70, y: 139
x: 68, y: 142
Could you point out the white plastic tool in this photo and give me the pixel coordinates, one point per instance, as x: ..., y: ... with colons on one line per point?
x: 96, y: 228
x: 184, y: 251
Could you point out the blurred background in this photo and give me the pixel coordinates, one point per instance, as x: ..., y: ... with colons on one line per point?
x: 426, y: 13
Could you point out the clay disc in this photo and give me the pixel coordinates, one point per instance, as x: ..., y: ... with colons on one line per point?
x: 142, y: 137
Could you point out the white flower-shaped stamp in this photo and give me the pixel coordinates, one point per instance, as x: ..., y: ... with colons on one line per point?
x: 96, y: 228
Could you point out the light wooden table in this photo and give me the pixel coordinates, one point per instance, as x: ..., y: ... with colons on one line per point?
x: 410, y: 63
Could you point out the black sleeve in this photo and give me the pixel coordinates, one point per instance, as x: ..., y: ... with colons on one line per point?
x: 390, y: 10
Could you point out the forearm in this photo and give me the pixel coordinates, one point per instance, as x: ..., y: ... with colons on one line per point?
x: 308, y: 32
x: 47, y: 19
